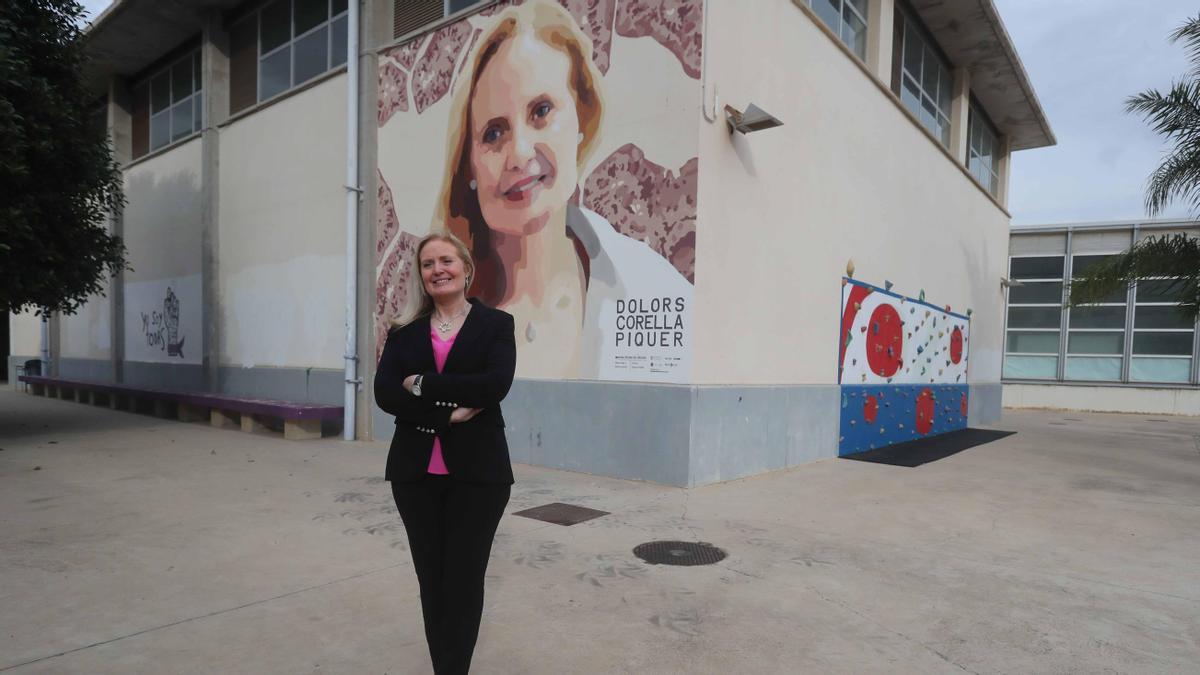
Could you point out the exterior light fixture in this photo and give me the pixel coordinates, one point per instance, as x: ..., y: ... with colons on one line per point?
x: 753, y: 119
x: 1005, y: 282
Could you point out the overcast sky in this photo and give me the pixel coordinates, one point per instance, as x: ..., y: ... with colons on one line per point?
x: 1085, y: 57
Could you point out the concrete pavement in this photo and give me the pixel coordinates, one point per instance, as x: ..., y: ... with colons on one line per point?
x: 130, y: 544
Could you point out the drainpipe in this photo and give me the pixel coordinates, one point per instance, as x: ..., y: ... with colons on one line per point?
x: 45, y: 346
x: 352, y: 195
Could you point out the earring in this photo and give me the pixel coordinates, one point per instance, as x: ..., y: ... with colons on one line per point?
x: 473, y: 184
x: 580, y: 139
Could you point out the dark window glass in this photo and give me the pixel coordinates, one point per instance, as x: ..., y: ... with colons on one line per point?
x: 275, y: 26
x: 1161, y: 290
x: 275, y: 74
x: 1036, y: 292
x: 1049, y: 267
x: 181, y: 120
x: 1096, y: 343
x: 312, y: 55
x: 1163, y: 343
x: 1034, y: 317
x: 339, y: 6
x: 338, y: 42
x: 1161, y: 317
x: 310, y: 14
x: 1098, y: 317
x: 160, y: 92
x: 181, y: 80
x: 456, y: 5
x: 1081, y: 264
x: 197, y: 80
x: 160, y: 130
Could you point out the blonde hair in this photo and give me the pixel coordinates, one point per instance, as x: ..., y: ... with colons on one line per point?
x: 419, y: 303
x: 457, y: 209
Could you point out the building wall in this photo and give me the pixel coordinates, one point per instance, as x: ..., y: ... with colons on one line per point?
x: 848, y: 176
x: 87, y: 334
x: 282, y: 232
x: 162, y: 231
x: 1151, y: 400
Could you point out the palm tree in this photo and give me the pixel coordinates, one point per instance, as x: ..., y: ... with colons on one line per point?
x: 1176, y: 116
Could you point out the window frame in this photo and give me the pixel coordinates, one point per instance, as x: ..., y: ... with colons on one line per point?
x: 1128, y: 331
x: 838, y: 30
x: 255, y: 16
x: 976, y: 117
x: 908, y: 21
x: 1008, y: 305
x: 194, y: 100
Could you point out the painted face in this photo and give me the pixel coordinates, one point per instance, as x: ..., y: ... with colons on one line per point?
x: 442, y: 271
x: 524, y: 136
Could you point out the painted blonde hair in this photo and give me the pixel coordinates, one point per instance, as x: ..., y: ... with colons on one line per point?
x: 419, y: 303
x: 457, y: 210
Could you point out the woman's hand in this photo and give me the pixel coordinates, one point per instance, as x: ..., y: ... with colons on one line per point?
x: 408, y: 383
x: 461, y: 415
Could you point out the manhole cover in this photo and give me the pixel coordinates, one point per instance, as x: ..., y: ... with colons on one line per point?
x: 679, y: 553
x: 561, y: 514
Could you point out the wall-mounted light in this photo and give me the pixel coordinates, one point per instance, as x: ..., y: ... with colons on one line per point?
x: 753, y: 119
x: 1005, y: 282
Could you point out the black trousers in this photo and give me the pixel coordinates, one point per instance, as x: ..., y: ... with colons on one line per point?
x: 450, y: 530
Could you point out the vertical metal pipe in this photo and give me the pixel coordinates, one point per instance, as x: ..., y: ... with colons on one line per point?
x: 352, y: 195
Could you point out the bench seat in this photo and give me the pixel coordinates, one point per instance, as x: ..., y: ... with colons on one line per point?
x: 300, y: 420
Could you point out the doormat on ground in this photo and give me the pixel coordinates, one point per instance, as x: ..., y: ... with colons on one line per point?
x: 931, y: 449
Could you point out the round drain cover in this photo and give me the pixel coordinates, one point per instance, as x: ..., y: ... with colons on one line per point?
x: 679, y: 553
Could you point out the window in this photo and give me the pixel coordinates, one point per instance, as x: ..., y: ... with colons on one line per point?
x: 284, y: 44
x: 983, y: 156
x: 413, y: 15
x: 1031, y: 342
x: 1162, y: 335
x: 1096, y: 333
x: 923, y: 83
x: 168, y: 105
x: 847, y: 18
x: 1094, y: 341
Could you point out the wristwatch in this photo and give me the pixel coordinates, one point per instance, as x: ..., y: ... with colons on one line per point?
x: 416, y: 388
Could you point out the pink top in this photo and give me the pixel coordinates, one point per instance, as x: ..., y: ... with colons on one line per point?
x: 441, y: 349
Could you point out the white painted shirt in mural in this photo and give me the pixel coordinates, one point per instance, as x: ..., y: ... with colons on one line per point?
x: 637, y: 320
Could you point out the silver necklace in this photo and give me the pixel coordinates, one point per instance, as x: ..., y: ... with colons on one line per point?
x: 444, y: 325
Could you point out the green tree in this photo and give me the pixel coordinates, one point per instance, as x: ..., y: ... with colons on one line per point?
x: 58, y: 179
x: 1176, y: 116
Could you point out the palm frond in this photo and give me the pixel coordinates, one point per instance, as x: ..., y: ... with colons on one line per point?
x: 1175, y: 256
x: 1189, y: 35
x: 1177, y: 178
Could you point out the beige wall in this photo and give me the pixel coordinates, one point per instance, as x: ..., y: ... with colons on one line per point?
x: 25, y: 334
x: 87, y: 334
x: 282, y: 232
x: 1164, y: 401
x: 162, y: 230
x: 848, y: 176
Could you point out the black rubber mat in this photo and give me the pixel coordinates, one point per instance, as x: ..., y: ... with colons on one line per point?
x: 926, y: 450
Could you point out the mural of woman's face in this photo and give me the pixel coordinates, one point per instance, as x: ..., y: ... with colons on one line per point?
x: 524, y: 136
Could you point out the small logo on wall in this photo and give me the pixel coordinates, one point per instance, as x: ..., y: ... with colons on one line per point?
x: 162, y: 328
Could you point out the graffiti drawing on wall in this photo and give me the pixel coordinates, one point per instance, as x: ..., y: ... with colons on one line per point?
x: 162, y: 328
x: 575, y: 229
x: 902, y: 368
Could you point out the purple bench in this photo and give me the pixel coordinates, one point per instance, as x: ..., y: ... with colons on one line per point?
x: 301, y: 421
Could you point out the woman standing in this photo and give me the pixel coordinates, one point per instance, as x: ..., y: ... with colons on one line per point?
x: 445, y: 368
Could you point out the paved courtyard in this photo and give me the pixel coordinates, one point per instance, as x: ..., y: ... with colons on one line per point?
x: 130, y: 544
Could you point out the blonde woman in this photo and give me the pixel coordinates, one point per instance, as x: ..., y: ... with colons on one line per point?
x: 524, y: 119
x: 445, y: 368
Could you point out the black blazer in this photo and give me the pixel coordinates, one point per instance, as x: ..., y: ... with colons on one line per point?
x: 477, y: 374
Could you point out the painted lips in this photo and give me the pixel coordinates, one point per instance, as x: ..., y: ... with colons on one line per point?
x: 523, y: 187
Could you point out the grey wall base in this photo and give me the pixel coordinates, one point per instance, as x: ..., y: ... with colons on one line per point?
x: 984, y: 403
x: 671, y: 434
x: 310, y: 385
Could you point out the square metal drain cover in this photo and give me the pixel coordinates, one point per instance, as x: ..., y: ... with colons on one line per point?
x: 561, y: 514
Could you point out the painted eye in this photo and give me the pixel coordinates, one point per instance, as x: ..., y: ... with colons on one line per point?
x: 491, y: 134
x: 542, y: 109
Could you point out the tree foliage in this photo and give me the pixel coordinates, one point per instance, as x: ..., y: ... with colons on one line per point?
x: 58, y: 179
x: 1176, y: 116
